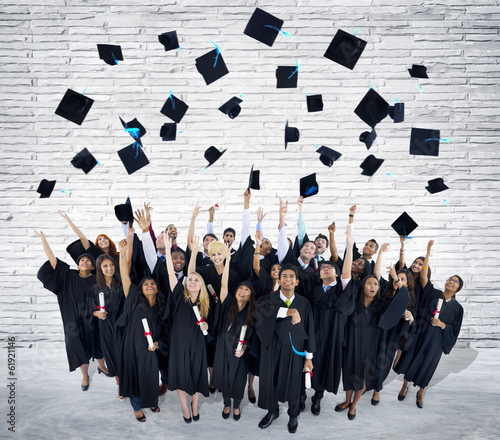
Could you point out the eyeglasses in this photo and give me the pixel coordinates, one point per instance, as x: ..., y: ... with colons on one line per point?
x: 453, y: 280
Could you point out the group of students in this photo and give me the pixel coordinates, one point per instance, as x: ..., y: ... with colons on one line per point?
x: 212, y: 317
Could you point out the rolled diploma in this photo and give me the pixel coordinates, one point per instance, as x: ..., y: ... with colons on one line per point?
x: 308, y: 378
x: 146, y: 329
x: 438, y: 308
x: 212, y: 292
x: 198, y: 317
x: 243, y: 332
x: 101, y: 300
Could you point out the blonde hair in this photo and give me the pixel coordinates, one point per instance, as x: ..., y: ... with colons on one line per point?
x: 203, y: 298
x: 217, y: 246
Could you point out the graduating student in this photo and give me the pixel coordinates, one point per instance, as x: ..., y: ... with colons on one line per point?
x: 369, y: 249
x: 263, y: 281
x: 202, y: 258
x: 71, y: 287
x: 436, y: 335
x: 283, y: 318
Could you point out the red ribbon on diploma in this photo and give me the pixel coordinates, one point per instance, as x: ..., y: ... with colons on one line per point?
x: 146, y: 334
x: 310, y: 372
x: 435, y: 311
x: 200, y: 321
x: 243, y: 342
x: 99, y: 307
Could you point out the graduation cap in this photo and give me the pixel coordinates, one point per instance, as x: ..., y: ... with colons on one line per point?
x: 370, y: 165
x: 124, y: 212
x: 254, y: 179
x: 291, y: 134
x: 368, y: 137
x: 110, y: 53
x: 397, y: 112
x: 345, y: 49
x: 45, y: 188
x: 424, y: 142
x: 289, y: 333
x: 169, y: 40
x: 396, y: 308
x: 263, y: 27
x: 404, y: 225
x: 328, y: 156
x: 287, y: 77
x: 308, y: 186
x: 168, y: 131
x: 212, y: 155
x: 133, y: 157
x: 174, y: 108
x: 84, y: 160
x: 314, y: 103
x: 372, y: 108
x: 211, y: 66
x: 135, y: 129
x: 232, y: 107
x: 436, y: 185
x: 418, y: 71
x: 74, y: 106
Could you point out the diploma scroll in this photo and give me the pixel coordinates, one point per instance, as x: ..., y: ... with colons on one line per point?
x: 147, y: 332
x: 243, y: 332
x: 198, y: 318
x: 308, y: 375
x: 438, y: 308
x: 101, y: 301
x: 212, y: 292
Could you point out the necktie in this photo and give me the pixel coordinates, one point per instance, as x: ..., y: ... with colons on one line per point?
x: 325, y: 288
x: 288, y: 302
x: 163, y: 259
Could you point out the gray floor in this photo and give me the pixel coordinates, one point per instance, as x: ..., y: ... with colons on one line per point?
x: 461, y: 402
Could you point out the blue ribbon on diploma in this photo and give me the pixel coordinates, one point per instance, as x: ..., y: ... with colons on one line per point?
x: 286, y: 34
x: 300, y: 353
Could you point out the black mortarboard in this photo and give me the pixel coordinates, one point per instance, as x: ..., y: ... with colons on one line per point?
x: 393, y: 313
x: 45, y: 188
x: 370, y: 165
x: 314, y: 103
x: 345, y: 49
x: 424, y: 142
x: 397, y: 112
x: 211, y: 66
x: 372, y: 108
x: 212, y: 155
x: 287, y: 77
x: 134, y: 128
x: 328, y: 156
x: 404, y: 225
x: 291, y: 134
x: 110, y: 53
x: 254, y: 179
x: 174, y: 108
x: 263, y: 27
x: 124, y: 212
x: 133, y: 157
x: 436, y: 185
x: 232, y: 107
x: 74, y: 106
x: 168, y: 131
x: 76, y: 249
x: 84, y: 160
x: 308, y: 186
x: 169, y: 40
x: 418, y: 71
x: 368, y: 137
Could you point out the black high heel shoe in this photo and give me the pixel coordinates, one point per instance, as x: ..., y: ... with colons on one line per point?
x: 251, y: 399
x: 419, y: 404
x: 195, y: 418
x: 85, y: 387
x: 99, y: 371
x: 187, y: 420
x: 226, y: 415
x: 236, y: 416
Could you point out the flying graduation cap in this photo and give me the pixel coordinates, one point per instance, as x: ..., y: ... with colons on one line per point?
x: 174, y: 108
x: 314, y: 103
x: 169, y: 40
x: 287, y: 77
x: 345, y: 49
x: 327, y: 155
x: 232, y: 107
x: 263, y: 27
x: 84, y: 160
x: 133, y: 157
x: 397, y: 112
x: 418, y: 71
x: 368, y: 138
x: 404, y: 225
x: 291, y: 134
x: 135, y: 129
x: 110, y: 53
x: 74, y: 106
x: 424, y: 142
x: 370, y: 165
x: 372, y: 108
x: 124, y: 212
x: 436, y: 185
x: 168, y: 131
x: 212, y: 155
x: 211, y: 66
x: 254, y: 179
x: 309, y: 186
x: 45, y: 188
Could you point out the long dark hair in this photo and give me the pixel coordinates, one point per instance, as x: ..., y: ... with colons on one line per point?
x: 359, y: 307
x: 143, y: 302
x: 250, y: 306
x: 390, y: 291
x: 423, y: 261
x: 100, y: 278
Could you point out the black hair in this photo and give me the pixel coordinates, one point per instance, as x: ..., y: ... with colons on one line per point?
x: 324, y: 237
x: 87, y: 255
x: 233, y: 307
x: 143, y: 302
x: 460, y: 283
x: 99, y: 276
x: 423, y: 261
x: 390, y: 291
x: 331, y: 263
x: 309, y: 241
x: 209, y: 235
x: 230, y: 230
x: 374, y: 241
x: 289, y: 266
x: 367, y: 268
x: 359, y: 306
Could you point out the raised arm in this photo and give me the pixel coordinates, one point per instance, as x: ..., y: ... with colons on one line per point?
x: 346, y: 268
x: 48, y: 251
x: 260, y: 218
x: 81, y: 236
x: 245, y: 217
x: 378, y: 263
x: 301, y: 224
x: 190, y: 236
x: 148, y: 247
x: 425, y: 268
x: 402, y: 239
x: 256, y: 254
x: 172, y: 278
x: 125, y: 249
x: 195, y: 247
x: 224, y: 284
x: 210, y: 223
x: 333, y: 245
x: 282, y: 240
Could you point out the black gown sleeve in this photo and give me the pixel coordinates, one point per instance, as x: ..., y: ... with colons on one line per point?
x: 55, y: 280
x: 344, y: 303
x: 265, y: 319
x: 395, y: 309
x: 452, y: 329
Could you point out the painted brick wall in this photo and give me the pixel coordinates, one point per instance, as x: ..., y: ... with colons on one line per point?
x: 48, y: 46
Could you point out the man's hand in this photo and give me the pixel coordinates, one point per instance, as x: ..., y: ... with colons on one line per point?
x: 308, y: 363
x: 260, y: 214
x: 147, y: 210
x: 141, y: 220
x: 332, y: 228
x: 294, y: 313
x: 211, y: 213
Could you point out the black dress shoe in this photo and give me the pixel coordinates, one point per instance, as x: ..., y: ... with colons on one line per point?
x: 316, y: 406
x: 375, y: 402
x: 302, y: 404
x: 338, y: 408
x: 211, y: 389
x: 351, y: 416
x: 267, y: 420
x: 99, y: 371
x: 419, y: 404
x: 226, y: 415
x: 292, y: 425
x: 85, y: 387
x: 401, y: 397
x: 251, y: 399
x: 236, y: 416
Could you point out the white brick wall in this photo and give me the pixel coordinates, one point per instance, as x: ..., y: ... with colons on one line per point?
x: 49, y: 46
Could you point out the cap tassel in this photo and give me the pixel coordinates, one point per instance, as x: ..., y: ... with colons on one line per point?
x: 286, y: 34
x: 296, y: 69
x: 216, y: 58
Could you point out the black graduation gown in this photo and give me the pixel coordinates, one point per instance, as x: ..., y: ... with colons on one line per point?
x: 330, y: 311
x: 139, y: 370
x: 109, y: 334
x: 71, y: 290
x: 242, y: 260
x: 366, y: 336
x: 308, y: 277
x: 280, y: 374
x: 187, y: 360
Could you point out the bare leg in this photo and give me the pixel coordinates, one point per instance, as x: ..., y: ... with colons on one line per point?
x: 251, y: 392
x: 85, y: 372
x: 420, y: 395
x: 183, y: 399
x: 375, y: 395
x: 357, y: 396
x: 102, y: 365
x: 139, y: 414
x: 396, y: 359
x: 194, y: 405
x: 348, y: 398
x: 404, y: 388
x: 210, y: 371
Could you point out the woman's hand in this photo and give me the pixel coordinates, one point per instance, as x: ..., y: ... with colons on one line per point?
x: 101, y: 314
x: 332, y: 228
x: 436, y: 322
x: 154, y: 347
x: 147, y: 211
x: 203, y: 326
x: 429, y: 245
x: 123, y: 246
x: 392, y: 272
x: 348, y: 234
x: 239, y: 353
x: 352, y: 210
x: 196, y: 245
x: 196, y: 210
x: 64, y: 215
x: 408, y: 316
x: 39, y: 234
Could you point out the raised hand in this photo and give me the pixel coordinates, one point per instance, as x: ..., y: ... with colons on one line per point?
x: 141, y: 220
x: 211, y: 213
x: 429, y: 245
x: 260, y: 214
x: 147, y: 210
x: 247, y: 194
x: 300, y: 203
x: 283, y: 207
x: 392, y: 272
x: 64, y: 215
x: 168, y: 241
x: 348, y: 235
x: 123, y: 246
x: 332, y: 228
x: 384, y: 247
x: 402, y: 239
x: 352, y: 210
x: 196, y: 210
x: 39, y: 234
x: 196, y: 245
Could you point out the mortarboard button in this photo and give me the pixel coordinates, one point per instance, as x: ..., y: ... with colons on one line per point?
x: 287, y: 77
x: 397, y: 112
x: 45, y: 188
x: 328, y: 156
x: 174, y: 108
x: 169, y: 40
x: 254, y: 179
x: 308, y: 186
x: 84, y: 160
x: 314, y: 103
x: 368, y: 137
x: 110, y: 53
x: 74, y: 106
x: 418, y: 71
x: 424, y: 142
x: 404, y: 225
x: 232, y: 107
x: 211, y: 66
x: 291, y: 134
x: 263, y: 26
x: 345, y: 49
x: 168, y: 131
x: 212, y: 155
x: 124, y: 212
x: 436, y: 185
x: 133, y: 157
x: 370, y: 165
x: 372, y: 108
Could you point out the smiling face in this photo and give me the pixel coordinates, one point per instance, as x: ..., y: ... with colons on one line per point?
x: 108, y: 268
x: 288, y: 281
x: 85, y: 265
x: 149, y: 288
x: 178, y: 260
x: 452, y: 284
x: 160, y: 242
x: 193, y: 283
x: 416, y: 267
x: 369, y: 249
x: 228, y: 238
x: 243, y: 294
x: 308, y: 251
x: 320, y: 245
x: 217, y: 257
x: 371, y: 288
x: 102, y: 242
x: 172, y: 231
x: 275, y: 272
x: 358, y: 266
